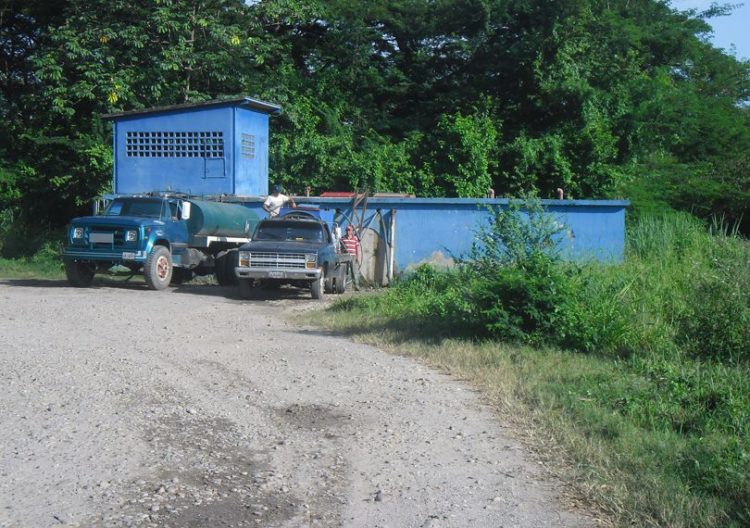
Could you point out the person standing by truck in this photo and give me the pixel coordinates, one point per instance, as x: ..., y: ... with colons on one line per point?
x: 276, y: 201
x: 350, y: 244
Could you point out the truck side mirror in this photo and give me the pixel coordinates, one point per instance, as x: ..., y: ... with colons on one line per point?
x: 185, y: 210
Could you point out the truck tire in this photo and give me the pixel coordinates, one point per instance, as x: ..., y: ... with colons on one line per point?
x: 220, y: 265
x: 317, y: 287
x: 158, y: 268
x: 80, y: 274
x: 224, y: 268
x: 341, y: 277
x: 328, y: 285
x: 231, y: 260
x: 247, y: 288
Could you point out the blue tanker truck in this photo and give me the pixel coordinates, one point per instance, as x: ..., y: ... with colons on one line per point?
x: 168, y: 238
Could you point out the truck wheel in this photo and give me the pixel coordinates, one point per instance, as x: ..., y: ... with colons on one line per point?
x: 220, y: 271
x: 231, y: 259
x: 158, y: 268
x: 224, y: 268
x: 247, y: 288
x: 328, y: 286
x: 317, y: 286
x: 341, y: 278
x: 80, y: 274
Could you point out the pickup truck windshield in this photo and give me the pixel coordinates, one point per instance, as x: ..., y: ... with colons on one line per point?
x: 145, y: 207
x: 290, y: 232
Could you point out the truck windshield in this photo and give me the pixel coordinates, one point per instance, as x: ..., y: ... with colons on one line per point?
x: 290, y: 232
x: 145, y: 207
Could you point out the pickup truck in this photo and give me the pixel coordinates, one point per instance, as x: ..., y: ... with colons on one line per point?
x: 167, y: 238
x: 296, y: 249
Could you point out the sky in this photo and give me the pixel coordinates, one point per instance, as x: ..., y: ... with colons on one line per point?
x: 728, y: 31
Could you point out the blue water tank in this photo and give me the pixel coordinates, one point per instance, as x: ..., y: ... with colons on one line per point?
x: 208, y: 148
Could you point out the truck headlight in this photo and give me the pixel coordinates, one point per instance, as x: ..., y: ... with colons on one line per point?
x: 131, y: 235
x: 244, y: 259
x: 77, y: 232
x: 310, y: 260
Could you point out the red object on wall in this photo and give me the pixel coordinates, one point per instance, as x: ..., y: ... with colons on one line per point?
x: 337, y: 194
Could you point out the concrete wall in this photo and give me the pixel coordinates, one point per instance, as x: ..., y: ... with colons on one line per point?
x: 432, y: 230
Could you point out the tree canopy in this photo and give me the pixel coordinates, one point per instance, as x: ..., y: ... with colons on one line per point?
x: 431, y: 97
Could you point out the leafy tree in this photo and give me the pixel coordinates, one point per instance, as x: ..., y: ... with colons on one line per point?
x: 435, y: 98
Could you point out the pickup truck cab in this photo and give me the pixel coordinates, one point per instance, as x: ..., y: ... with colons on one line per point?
x: 296, y: 249
x: 155, y: 235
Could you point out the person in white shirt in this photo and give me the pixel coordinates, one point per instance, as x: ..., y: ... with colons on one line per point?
x: 276, y: 201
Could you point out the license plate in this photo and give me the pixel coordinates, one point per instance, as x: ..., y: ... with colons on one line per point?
x: 276, y: 274
x: 101, y: 238
x: 128, y: 256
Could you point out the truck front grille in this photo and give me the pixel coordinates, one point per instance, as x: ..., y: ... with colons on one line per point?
x: 277, y: 260
x: 107, y: 237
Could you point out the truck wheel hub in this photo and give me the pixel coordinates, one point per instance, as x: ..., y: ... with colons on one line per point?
x: 162, y: 268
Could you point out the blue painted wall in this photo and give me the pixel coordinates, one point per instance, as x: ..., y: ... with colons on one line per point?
x: 250, y: 158
x: 427, y: 228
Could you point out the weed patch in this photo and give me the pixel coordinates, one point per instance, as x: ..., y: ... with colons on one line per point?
x: 638, y: 372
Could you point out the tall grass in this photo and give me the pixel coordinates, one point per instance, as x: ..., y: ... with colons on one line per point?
x: 640, y: 371
x: 45, y: 263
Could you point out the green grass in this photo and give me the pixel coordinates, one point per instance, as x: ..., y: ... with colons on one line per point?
x: 651, y: 411
x: 46, y: 263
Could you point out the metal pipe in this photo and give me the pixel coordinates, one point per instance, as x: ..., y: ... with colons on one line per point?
x: 391, y: 246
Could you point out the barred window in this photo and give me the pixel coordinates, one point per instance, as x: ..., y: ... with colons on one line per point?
x: 248, y: 146
x: 209, y: 144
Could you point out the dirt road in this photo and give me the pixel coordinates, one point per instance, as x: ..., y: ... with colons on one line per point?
x: 189, y: 407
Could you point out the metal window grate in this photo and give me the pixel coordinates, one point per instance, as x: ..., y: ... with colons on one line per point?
x: 248, y: 146
x: 207, y: 144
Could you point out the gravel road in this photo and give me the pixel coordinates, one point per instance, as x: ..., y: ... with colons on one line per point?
x: 126, y: 407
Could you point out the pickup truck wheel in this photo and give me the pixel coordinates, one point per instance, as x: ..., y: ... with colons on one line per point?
x: 328, y: 286
x: 231, y: 259
x: 80, y: 274
x: 224, y: 268
x: 158, y: 268
x: 220, y: 269
x: 341, y: 278
x: 247, y: 290
x: 317, y: 286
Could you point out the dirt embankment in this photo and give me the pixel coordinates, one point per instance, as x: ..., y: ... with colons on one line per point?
x: 126, y: 407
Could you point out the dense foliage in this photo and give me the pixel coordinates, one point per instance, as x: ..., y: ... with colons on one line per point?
x: 434, y: 98
x: 666, y: 335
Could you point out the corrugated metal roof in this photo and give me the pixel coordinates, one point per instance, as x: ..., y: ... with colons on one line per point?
x: 245, y: 102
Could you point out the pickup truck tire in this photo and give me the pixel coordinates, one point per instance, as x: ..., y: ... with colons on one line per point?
x: 231, y: 259
x: 341, y: 278
x: 80, y: 274
x: 224, y: 268
x: 328, y: 286
x: 158, y: 268
x: 317, y: 287
x: 247, y: 289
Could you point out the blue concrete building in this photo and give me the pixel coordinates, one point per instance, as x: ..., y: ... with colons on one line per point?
x: 213, y: 147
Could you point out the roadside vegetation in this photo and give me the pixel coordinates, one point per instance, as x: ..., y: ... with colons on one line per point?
x: 638, y: 372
